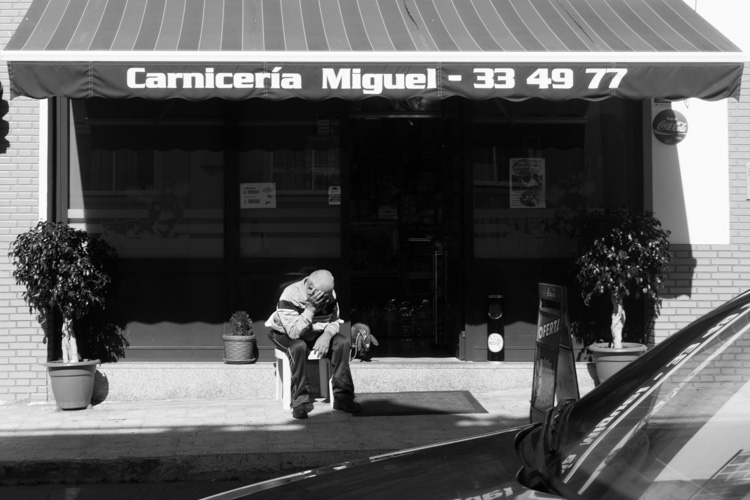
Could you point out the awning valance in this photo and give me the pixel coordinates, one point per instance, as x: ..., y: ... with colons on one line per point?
x: 354, y: 49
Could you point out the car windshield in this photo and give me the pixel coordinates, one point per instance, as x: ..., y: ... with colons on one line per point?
x: 675, y: 426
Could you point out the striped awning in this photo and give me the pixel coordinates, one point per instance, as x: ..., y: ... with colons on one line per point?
x: 354, y: 49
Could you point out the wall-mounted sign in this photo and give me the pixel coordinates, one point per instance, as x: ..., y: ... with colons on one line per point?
x: 258, y: 195
x: 670, y: 126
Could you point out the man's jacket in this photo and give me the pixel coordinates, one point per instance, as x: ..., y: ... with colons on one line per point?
x: 293, y: 319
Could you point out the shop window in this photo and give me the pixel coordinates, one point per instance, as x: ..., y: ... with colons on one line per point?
x: 147, y: 178
x: 532, y: 164
x: 290, y: 189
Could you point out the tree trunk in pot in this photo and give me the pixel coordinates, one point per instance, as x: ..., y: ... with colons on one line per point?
x: 618, y: 321
x: 69, y: 343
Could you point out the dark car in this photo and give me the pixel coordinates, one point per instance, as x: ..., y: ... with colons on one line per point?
x: 675, y: 424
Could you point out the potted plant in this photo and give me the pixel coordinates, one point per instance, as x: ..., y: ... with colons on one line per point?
x: 624, y: 255
x: 239, y: 342
x: 66, y: 275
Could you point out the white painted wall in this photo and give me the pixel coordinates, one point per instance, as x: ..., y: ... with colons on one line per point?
x: 691, y: 179
x: 43, y: 142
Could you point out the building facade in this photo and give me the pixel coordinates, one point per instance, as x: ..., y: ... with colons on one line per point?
x: 422, y: 207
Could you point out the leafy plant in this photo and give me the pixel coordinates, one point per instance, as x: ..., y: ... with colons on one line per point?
x: 623, y: 254
x: 240, y: 324
x: 66, y: 274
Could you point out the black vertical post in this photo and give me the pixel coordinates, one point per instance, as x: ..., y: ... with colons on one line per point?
x: 495, y: 329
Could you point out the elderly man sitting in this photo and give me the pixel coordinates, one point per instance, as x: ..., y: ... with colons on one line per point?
x: 307, y: 317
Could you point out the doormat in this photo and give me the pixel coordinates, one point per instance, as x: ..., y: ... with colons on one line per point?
x: 391, y: 404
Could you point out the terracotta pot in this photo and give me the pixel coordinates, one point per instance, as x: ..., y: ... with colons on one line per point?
x: 609, y: 360
x: 72, y: 383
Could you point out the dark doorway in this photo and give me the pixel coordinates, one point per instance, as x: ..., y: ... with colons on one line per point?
x: 403, y: 230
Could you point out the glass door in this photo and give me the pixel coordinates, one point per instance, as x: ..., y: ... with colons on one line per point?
x: 400, y: 228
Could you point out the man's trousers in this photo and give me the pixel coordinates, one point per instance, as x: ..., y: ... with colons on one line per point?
x: 298, y: 349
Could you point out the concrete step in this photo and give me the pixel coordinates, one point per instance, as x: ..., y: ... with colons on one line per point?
x: 138, y: 381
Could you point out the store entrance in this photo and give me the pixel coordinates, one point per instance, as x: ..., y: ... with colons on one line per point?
x: 403, y: 225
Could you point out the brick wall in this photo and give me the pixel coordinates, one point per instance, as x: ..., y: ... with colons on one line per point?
x: 22, y: 377
x: 704, y: 276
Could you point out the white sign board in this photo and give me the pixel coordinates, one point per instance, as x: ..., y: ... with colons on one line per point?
x: 258, y: 195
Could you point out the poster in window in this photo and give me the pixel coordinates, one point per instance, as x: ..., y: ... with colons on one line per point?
x: 258, y: 195
x: 527, y: 183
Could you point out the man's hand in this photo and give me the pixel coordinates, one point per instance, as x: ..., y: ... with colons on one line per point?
x: 317, y: 300
x: 323, y: 344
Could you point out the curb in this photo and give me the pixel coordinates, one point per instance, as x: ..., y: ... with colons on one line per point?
x: 243, y: 467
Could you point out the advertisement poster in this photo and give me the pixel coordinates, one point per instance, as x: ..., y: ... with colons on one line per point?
x: 555, y: 375
x: 527, y: 183
x: 334, y: 195
x: 258, y: 195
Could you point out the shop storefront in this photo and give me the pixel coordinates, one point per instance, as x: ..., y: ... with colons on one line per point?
x: 419, y: 150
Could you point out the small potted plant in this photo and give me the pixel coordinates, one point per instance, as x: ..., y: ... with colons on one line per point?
x: 239, y: 342
x: 623, y: 255
x: 66, y: 276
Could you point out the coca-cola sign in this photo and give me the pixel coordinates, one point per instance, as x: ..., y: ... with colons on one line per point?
x: 670, y: 126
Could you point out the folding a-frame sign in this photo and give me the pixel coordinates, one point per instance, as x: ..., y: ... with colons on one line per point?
x: 554, y: 361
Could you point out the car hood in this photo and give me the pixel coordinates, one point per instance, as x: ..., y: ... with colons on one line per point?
x: 480, y: 467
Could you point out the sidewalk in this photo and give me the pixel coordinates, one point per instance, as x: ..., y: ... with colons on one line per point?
x: 178, y: 440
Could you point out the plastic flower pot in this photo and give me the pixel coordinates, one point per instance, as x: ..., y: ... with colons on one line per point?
x: 72, y: 383
x: 609, y: 360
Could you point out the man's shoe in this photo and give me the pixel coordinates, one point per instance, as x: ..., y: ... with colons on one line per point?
x: 300, y: 412
x: 347, y: 406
